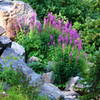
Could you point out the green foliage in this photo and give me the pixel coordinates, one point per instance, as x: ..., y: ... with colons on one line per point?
x: 45, y: 39
x: 9, y: 75
x: 90, y: 96
x: 37, y: 67
x: 36, y: 43
x: 67, y: 65
x: 74, y: 10
x: 84, y: 14
x: 95, y: 72
x: 22, y: 93
x: 91, y: 34
x: 93, y: 79
x: 19, y: 88
x: 31, y: 42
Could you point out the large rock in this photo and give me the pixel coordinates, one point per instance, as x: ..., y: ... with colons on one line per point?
x: 71, y: 83
x: 10, y: 58
x: 51, y: 91
x: 10, y: 14
x: 4, y: 43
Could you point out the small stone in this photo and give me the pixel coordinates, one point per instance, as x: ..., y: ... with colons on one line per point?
x: 71, y: 83
x: 33, y: 59
x: 48, y: 77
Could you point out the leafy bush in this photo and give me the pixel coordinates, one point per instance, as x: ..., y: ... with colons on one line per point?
x: 56, y: 33
x: 37, y: 67
x: 73, y: 9
x: 19, y: 88
x: 84, y: 14
x: 91, y: 34
x: 12, y: 77
x: 22, y: 93
x: 68, y: 64
x: 31, y: 42
x: 95, y: 72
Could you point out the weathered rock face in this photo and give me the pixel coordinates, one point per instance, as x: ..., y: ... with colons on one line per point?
x: 12, y: 57
x: 2, y: 30
x: 71, y: 83
x: 18, y: 48
x: 4, y: 43
x: 10, y: 12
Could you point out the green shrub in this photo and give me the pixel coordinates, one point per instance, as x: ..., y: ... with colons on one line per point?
x: 37, y: 67
x: 12, y: 77
x: 68, y: 65
x: 22, y: 93
x: 95, y: 72
x: 91, y: 35
x: 74, y: 10
x: 45, y: 40
x: 31, y: 42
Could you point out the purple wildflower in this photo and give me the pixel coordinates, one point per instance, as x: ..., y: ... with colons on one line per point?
x: 32, y: 21
x: 70, y: 54
x: 39, y: 26
x: 51, y: 37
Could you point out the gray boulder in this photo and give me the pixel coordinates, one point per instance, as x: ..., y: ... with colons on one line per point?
x: 50, y: 90
x: 18, y: 48
x: 71, y: 83
x: 10, y: 58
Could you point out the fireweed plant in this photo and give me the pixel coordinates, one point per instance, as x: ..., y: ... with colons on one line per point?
x: 65, y: 50
x: 56, y: 41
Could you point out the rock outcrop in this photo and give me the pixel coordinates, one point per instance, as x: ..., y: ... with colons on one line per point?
x: 9, y: 58
x: 50, y: 90
x: 10, y: 14
x: 71, y: 83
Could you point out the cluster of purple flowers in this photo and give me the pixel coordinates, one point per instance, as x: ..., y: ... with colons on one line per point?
x: 52, y: 40
x: 68, y: 36
x: 32, y: 23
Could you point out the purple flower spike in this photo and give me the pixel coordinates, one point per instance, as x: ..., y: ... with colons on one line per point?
x: 39, y: 26
x: 51, y: 37
x: 80, y: 45
x: 70, y: 54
